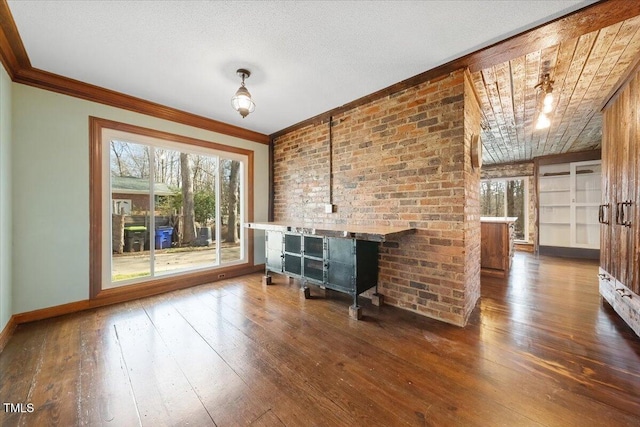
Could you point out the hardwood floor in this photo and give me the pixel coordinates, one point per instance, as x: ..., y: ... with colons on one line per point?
x: 540, y: 349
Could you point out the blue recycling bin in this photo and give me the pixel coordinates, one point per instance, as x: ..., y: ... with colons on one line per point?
x: 163, y: 237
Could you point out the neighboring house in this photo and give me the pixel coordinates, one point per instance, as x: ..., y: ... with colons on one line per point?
x: 131, y: 194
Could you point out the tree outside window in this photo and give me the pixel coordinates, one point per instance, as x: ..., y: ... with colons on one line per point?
x: 506, y: 198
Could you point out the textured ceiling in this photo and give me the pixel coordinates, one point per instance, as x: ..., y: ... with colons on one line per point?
x: 306, y: 57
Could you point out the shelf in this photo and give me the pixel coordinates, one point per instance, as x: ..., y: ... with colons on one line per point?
x: 568, y: 204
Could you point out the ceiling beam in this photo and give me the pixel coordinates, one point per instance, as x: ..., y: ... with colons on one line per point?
x: 16, y: 61
x: 583, y: 21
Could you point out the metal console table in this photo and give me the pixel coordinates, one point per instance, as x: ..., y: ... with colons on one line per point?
x: 342, y: 258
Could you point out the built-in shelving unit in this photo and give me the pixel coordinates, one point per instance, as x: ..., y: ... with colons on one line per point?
x: 569, y: 196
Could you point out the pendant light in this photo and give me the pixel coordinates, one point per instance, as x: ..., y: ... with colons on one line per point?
x: 241, y: 101
x: 546, y: 87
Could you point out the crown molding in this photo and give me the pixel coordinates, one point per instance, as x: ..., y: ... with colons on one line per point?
x: 15, y: 60
x: 583, y: 21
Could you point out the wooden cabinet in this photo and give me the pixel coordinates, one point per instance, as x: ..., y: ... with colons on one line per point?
x: 496, y: 250
x: 619, y: 214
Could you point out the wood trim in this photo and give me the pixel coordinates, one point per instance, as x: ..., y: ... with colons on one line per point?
x: 66, y: 86
x: 117, y: 295
x: 95, y: 205
x: 7, y: 332
x: 250, y: 207
x: 150, y: 287
x: 573, y: 25
x: 168, y: 284
x: 12, y: 52
x: 476, y: 96
x: 16, y: 61
x: 508, y: 164
x: 579, y: 156
x: 588, y: 19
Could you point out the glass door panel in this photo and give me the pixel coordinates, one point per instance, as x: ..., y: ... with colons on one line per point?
x: 231, y: 201
x: 185, y: 218
x: 131, y: 221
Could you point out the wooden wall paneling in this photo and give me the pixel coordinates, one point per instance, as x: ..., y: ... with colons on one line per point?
x: 636, y: 206
x: 613, y: 190
x: 632, y: 186
x: 622, y: 171
x: 605, y: 229
x: 611, y: 135
x: 581, y: 156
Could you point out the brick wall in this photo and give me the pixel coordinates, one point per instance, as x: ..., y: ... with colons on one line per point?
x: 518, y: 170
x: 402, y: 160
x: 472, y: 238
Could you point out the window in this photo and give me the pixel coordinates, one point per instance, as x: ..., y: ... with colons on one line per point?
x: 165, y: 206
x: 507, y: 198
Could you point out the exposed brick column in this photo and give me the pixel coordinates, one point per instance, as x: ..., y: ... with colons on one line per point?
x: 403, y: 160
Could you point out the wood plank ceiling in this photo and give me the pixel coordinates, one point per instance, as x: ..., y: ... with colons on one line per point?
x: 585, y: 71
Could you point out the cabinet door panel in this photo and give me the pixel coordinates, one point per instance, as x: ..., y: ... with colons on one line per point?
x: 340, y: 250
x: 293, y: 243
x: 274, y: 251
x: 293, y: 264
x: 314, y: 269
x: 340, y: 276
x: 313, y: 246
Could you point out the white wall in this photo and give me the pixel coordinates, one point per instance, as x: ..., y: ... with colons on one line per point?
x: 51, y: 191
x: 5, y: 199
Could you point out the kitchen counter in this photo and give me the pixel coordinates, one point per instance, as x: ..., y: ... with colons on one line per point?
x: 352, y: 231
x: 496, y: 249
x: 499, y: 219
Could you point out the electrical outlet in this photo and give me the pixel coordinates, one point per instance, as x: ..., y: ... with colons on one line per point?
x: 221, y: 276
x: 329, y: 208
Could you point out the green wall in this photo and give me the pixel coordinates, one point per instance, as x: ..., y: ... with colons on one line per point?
x: 50, y: 174
x: 5, y: 199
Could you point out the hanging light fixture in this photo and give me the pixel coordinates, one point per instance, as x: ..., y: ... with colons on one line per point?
x: 546, y: 87
x: 241, y: 101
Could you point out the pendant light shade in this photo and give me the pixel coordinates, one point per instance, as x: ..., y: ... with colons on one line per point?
x: 543, y: 121
x: 546, y: 87
x: 241, y: 101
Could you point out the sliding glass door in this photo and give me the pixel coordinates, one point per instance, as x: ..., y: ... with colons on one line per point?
x: 170, y: 208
